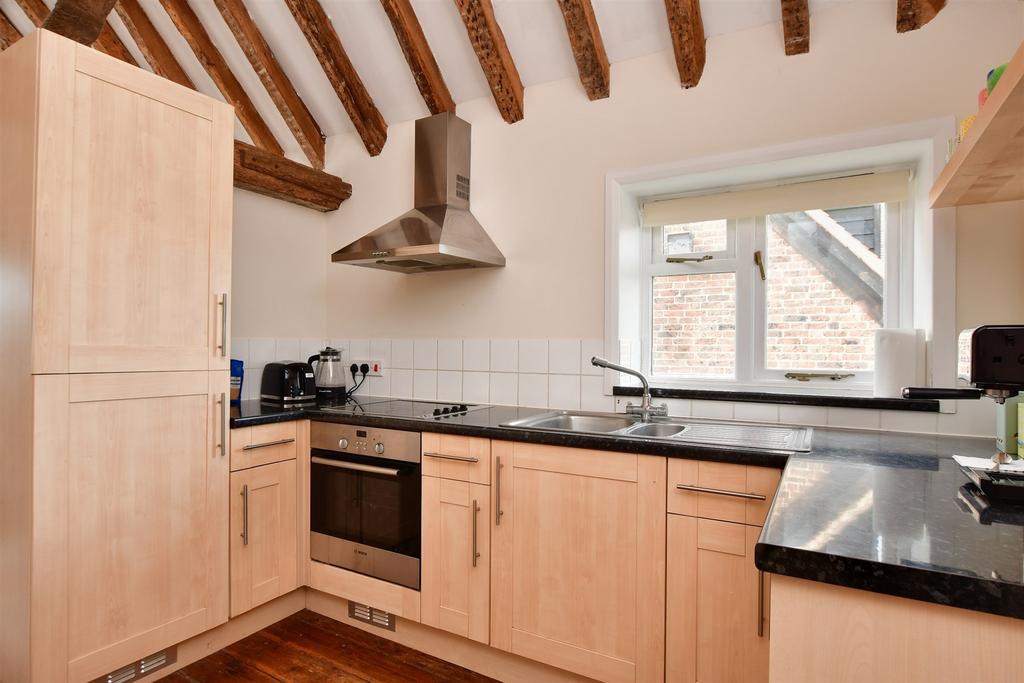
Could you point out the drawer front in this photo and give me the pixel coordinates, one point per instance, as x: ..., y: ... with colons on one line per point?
x: 722, y: 491
x: 263, y: 444
x: 464, y: 458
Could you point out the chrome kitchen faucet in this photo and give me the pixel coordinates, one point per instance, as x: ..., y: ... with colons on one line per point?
x: 645, y: 410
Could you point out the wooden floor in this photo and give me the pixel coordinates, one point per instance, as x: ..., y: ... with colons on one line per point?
x: 308, y: 648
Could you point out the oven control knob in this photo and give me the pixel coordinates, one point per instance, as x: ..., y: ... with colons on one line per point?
x: 378, y: 448
x: 343, y: 443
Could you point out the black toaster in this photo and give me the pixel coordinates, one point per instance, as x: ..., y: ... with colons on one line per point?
x: 288, y: 383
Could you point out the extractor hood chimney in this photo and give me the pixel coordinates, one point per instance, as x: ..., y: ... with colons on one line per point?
x: 439, y: 233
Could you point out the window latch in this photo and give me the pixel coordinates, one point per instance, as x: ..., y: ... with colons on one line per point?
x: 808, y: 376
x: 688, y: 259
x: 759, y: 261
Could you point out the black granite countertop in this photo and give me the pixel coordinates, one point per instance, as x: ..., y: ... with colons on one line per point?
x: 486, y: 422
x: 886, y: 513
x: 878, y: 511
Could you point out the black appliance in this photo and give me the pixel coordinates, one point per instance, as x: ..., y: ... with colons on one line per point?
x: 288, y: 382
x: 365, y: 490
x: 991, y: 358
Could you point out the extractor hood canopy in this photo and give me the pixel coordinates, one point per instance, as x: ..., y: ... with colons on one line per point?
x: 440, y: 232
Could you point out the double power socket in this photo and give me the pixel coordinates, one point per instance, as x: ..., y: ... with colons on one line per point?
x: 376, y: 367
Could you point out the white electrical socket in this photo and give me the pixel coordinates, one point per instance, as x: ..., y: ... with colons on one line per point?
x: 376, y: 368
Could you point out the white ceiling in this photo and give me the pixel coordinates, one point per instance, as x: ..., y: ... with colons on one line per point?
x: 534, y: 30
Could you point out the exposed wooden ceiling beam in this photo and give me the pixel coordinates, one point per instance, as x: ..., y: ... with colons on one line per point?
x: 419, y: 55
x: 796, y: 26
x: 9, y: 34
x: 913, y: 14
x: 327, y: 47
x: 35, y: 10
x: 106, y: 42
x: 587, y: 47
x: 110, y: 44
x: 79, y: 20
x: 294, y: 111
x: 150, y: 43
x: 213, y: 61
x: 687, y: 29
x: 275, y: 176
x: 489, y: 44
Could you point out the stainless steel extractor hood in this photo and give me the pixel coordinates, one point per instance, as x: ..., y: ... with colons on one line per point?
x: 439, y: 233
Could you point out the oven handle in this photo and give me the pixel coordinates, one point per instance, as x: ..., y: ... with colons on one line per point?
x: 355, y: 466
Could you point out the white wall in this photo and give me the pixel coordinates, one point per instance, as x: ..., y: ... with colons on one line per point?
x: 538, y: 184
x: 279, y: 269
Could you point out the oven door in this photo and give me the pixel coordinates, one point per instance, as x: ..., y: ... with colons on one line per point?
x: 365, y: 515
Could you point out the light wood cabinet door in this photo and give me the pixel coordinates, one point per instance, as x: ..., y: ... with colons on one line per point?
x: 578, y: 560
x: 717, y: 623
x: 455, y: 591
x: 132, y: 473
x: 138, y: 250
x: 264, y: 535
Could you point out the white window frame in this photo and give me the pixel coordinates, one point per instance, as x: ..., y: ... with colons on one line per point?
x: 744, y: 237
x: 928, y: 242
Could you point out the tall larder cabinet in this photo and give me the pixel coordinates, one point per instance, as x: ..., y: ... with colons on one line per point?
x: 115, y: 269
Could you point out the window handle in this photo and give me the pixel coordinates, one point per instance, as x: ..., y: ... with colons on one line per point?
x: 808, y: 376
x: 759, y: 261
x: 688, y: 259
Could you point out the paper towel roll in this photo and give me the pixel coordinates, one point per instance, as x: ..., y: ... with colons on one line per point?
x: 899, y: 361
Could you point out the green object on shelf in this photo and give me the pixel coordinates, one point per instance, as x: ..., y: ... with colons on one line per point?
x: 993, y: 77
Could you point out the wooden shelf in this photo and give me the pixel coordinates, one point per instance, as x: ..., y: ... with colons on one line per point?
x: 988, y: 166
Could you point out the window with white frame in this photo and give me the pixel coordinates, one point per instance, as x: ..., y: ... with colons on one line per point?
x: 773, y: 286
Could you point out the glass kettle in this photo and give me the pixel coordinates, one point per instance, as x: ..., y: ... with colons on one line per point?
x: 329, y: 376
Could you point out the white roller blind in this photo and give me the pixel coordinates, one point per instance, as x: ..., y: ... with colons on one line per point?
x: 871, y: 188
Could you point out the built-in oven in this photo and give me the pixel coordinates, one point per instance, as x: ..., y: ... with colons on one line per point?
x: 365, y: 500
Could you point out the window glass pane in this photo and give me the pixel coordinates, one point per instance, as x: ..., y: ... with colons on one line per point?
x: 696, y: 238
x: 824, y: 288
x: 694, y: 325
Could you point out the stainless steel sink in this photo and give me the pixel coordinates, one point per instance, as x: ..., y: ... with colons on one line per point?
x: 565, y: 421
x: 660, y: 430
x: 744, y: 435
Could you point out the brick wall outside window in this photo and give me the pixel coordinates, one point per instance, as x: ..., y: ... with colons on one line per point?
x: 812, y: 323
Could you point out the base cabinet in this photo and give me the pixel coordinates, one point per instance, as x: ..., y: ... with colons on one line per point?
x: 578, y: 560
x: 264, y: 534
x: 717, y: 603
x: 456, y: 580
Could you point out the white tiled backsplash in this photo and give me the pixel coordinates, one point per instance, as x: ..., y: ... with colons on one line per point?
x: 557, y: 373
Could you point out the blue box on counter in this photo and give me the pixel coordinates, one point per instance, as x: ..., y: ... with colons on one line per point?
x: 237, y: 375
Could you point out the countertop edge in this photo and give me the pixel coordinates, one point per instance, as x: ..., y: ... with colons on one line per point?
x: 973, y: 593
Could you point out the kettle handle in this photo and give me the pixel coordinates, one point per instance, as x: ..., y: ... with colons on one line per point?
x: 313, y: 359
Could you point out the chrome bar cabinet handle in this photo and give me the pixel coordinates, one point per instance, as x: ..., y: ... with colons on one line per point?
x: 224, y: 418
x: 498, y: 512
x: 245, y: 514
x: 720, y: 492
x: 279, y: 442
x: 445, y: 456
x: 223, y: 303
x: 476, y: 514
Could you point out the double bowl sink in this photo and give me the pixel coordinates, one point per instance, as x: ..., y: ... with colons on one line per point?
x: 743, y: 435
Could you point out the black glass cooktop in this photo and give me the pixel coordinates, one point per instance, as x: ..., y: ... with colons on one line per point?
x: 403, y: 408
